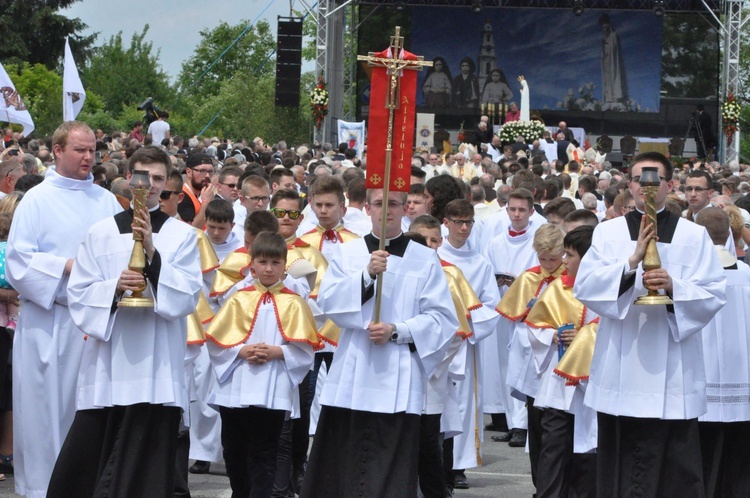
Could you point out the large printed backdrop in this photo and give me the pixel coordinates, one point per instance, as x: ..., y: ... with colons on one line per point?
x: 562, y: 57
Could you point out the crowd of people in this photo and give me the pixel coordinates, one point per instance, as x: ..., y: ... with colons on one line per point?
x: 270, y: 313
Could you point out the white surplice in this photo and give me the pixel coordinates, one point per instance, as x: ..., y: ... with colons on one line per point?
x: 726, y: 350
x: 648, y: 360
x: 272, y: 385
x: 205, y: 423
x: 134, y: 355
x: 513, y: 256
x: 386, y: 378
x: 48, y: 226
x: 478, y: 273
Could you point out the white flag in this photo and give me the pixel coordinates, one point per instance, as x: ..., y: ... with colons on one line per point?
x: 73, y: 93
x: 12, y: 108
x: 354, y: 135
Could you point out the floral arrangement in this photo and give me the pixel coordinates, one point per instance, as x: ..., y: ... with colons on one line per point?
x: 730, y: 116
x: 319, y: 102
x: 530, y: 130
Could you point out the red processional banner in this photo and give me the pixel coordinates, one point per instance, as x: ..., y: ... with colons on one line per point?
x: 403, y: 126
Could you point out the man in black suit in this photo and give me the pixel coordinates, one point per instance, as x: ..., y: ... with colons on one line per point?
x: 703, y: 122
x: 562, y: 148
x: 567, y: 132
x: 481, y: 135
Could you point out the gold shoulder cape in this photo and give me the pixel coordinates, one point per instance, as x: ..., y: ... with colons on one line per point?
x: 464, y: 298
x: 235, y: 321
x: 329, y: 332
x: 312, y: 255
x: 316, y: 236
x: 233, y: 269
x: 575, y: 365
x: 197, y: 320
x: 236, y: 267
x: 557, y: 306
x: 514, y: 304
x: 209, y: 259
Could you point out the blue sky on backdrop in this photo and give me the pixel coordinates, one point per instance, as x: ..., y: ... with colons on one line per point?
x: 555, y: 50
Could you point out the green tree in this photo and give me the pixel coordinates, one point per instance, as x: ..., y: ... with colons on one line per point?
x: 41, y: 91
x: 245, y: 108
x: 690, y: 57
x: 249, y: 56
x: 125, y: 76
x: 32, y: 31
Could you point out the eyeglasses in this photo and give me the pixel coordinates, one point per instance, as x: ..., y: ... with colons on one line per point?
x: 280, y: 213
x: 697, y: 190
x: 257, y: 199
x: 637, y: 179
x: 230, y: 185
x: 166, y: 194
x: 460, y: 223
x: 203, y: 171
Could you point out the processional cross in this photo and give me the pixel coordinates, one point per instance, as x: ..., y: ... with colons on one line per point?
x: 394, y: 64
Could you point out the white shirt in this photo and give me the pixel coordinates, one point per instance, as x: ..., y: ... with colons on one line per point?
x: 158, y: 130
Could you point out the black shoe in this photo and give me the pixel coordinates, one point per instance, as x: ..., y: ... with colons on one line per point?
x: 298, y: 475
x: 503, y: 438
x: 495, y: 428
x: 519, y: 438
x: 461, y: 481
x: 200, y: 467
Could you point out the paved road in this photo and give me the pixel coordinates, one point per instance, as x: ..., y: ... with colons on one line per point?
x: 505, y: 474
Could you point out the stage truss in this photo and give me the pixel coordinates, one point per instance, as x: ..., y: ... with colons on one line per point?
x: 336, y: 44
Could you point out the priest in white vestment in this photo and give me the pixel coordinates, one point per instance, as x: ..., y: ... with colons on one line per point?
x: 131, y: 390
x: 725, y: 427
x: 48, y: 226
x: 374, y: 393
x: 459, y: 219
x: 647, y: 377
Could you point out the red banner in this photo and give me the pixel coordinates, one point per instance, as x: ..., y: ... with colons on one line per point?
x: 403, y: 126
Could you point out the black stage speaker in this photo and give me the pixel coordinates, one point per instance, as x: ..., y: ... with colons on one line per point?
x: 288, y: 61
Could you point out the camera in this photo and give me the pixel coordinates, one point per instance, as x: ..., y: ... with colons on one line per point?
x: 14, y: 151
x: 150, y: 109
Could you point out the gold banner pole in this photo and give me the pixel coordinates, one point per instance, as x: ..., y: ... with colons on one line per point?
x: 394, y: 66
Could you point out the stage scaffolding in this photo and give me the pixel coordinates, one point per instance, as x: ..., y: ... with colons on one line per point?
x: 337, y: 38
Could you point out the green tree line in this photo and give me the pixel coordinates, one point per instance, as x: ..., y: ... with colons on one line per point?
x: 235, y: 95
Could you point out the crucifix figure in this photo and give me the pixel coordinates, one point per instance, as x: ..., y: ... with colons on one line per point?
x: 394, y: 64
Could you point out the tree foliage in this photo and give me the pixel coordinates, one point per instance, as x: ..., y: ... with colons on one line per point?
x: 249, y: 56
x: 245, y: 108
x: 41, y: 91
x: 32, y: 31
x: 690, y: 57
x: 125, y: 76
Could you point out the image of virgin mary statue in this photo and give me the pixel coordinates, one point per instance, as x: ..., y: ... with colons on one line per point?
x: 614, y: 82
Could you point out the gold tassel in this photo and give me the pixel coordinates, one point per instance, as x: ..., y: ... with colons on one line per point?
x: 477, y: 440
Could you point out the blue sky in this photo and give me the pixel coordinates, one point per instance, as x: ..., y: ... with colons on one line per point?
x: 552, y: 48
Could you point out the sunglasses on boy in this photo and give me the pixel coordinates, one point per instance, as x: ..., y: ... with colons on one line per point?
x: 280, y: 213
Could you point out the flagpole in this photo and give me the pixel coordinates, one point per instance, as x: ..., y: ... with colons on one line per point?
x: 394, y: 63
x: 387, y: 181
